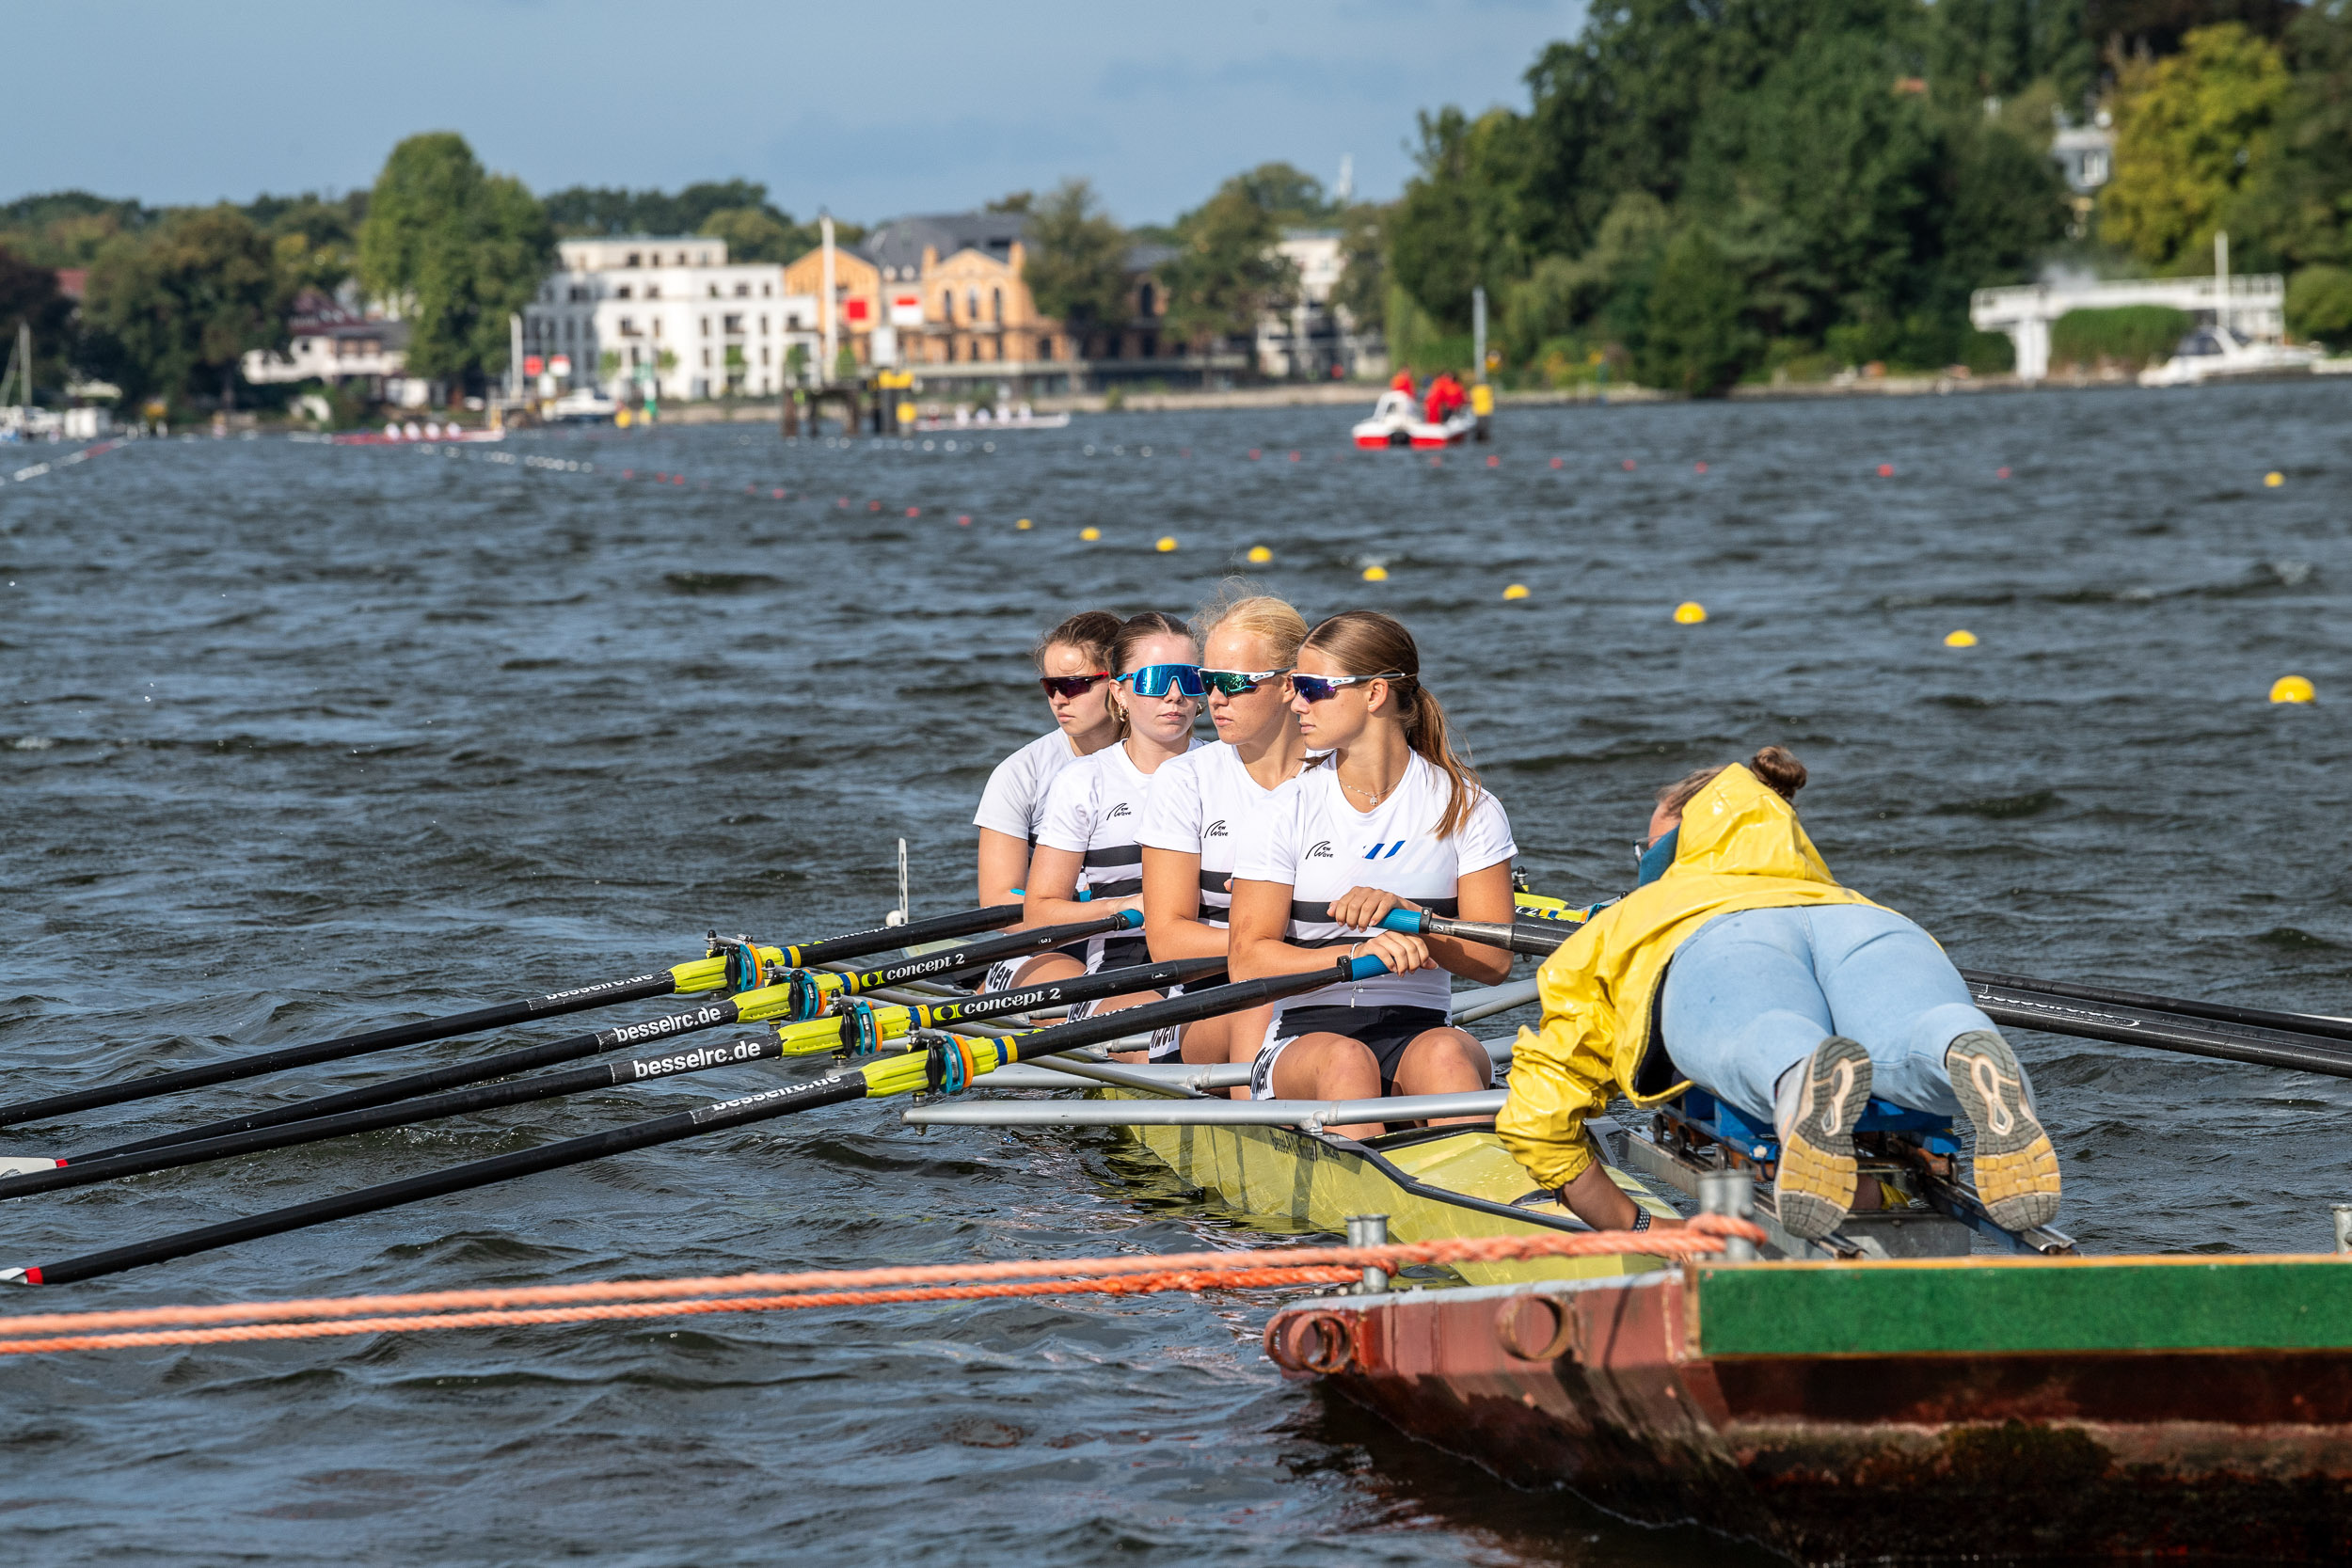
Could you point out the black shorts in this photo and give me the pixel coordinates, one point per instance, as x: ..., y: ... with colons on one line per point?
x: 1383, y: 1031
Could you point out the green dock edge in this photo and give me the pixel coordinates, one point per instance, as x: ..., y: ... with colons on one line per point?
x: 2057, y: 1305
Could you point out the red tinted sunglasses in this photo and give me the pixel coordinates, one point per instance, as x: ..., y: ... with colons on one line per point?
x: 1071, y: 685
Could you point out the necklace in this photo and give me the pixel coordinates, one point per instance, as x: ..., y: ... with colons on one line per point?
x: 1371, y: 796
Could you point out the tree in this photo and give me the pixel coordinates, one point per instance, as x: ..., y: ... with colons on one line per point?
x: 183, y: 305
x: 1076, y: 260
x: 1013, y: 201
x: 2189, y: 131
x: 2319, y: 305
x: 1697, y: 343
x: 1463, y: 219
x: 1291, y: 195
x: 317, y: 239
x: 1363, y: 286
x: 1226, y: 272
x: 460, y: 249
x: 755, y: 234
x: 30, y: 297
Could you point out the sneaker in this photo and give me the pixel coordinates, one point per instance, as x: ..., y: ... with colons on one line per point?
x: 1820, y: 1099
x: 2016, y: 1169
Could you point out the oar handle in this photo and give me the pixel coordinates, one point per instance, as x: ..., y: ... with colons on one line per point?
x: 1535, y: 940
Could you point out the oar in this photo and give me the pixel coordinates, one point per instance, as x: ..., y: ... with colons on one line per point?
x: 820, y: 984
x: 711, y: 974
x: 2257, y: 1017
x: 1538, y: 942
x: 783, y: 1001
x: 949, y: 1065
x: 858, y: 1032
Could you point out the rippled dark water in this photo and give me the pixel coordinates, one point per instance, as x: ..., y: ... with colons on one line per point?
x: 299, y: 739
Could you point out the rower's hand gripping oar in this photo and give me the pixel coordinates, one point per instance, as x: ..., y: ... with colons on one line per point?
x: 947, y: 1066
x: 859, y: 1030
x: 789, y: 1000
x: 1538, y: 942
x: 733, y: 965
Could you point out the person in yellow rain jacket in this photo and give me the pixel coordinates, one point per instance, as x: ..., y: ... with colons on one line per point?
x: 1740, y: 965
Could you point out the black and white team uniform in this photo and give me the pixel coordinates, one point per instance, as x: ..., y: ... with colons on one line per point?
x: 1095, y: 806
x: 1201, y: 804
x: 1322, y: 847
x: 1014, y: 804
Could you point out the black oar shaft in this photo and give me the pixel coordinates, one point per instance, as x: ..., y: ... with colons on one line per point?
x: 571, y: 1048
x: 2135, y: 1027
x: 611, y: 993
x: 2258, y: 1018
x: 973, y: 955
x: 764, y: 1106
x: 882, y: 938
x: 1084, y: 987
x: 521, y: 1091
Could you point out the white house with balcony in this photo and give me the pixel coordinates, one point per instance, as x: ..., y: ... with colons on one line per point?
x: 2253, y: 306
x: 671, y: 309
x: 1315, y: 339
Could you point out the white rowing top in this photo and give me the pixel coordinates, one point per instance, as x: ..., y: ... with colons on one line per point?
x: 1320, y: 846
x: 1095, y: 806
x: 1014, y: 802
x: 1201, y: 804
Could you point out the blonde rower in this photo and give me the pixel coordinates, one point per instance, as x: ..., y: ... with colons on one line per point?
x: 1203, y: 801
x: 1391, y: 818
x: 1086, y: 842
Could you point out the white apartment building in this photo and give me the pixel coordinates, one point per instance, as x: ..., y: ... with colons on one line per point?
x: 669, y: 309
x: 1315, y: 339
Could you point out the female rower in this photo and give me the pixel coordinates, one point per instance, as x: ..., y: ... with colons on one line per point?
x: 1072, y: 662
x: 1391, y: 820
x: 1201, y: 802
x: 1087, y: 842
x: 1790, y: 998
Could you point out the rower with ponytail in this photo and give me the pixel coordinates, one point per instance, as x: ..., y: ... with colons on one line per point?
x: 1391, y: 819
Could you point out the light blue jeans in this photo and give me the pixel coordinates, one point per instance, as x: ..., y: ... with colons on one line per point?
x: 1755, y: 992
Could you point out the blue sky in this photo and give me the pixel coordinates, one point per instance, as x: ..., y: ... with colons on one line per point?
x: 873, y: 110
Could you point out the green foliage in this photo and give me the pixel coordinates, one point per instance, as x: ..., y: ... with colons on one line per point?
x: 2128, y: 335
x: 317, y: 240
x: 1836, y: 163
x: 68, y: 229
x: 596, y: 209
x: 30, y: 297
x: 2189, y: 131
x: 756, y: 234
x: 2319, y: 305
x: 1075, y: 259
x: 170, y: 313
x: 1362, y: 290
x: 1226, y: 271
x: 1292, y: 197
x: 459, y: 249
x: 1698, y: 341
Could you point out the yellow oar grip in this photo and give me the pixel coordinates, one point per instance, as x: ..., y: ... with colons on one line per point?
x: 711, y: 974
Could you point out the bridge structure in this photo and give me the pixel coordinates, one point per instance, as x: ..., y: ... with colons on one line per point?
x: 2252, y: 305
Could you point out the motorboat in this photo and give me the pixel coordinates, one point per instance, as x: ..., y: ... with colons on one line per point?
x: 584, y: 405
x: 1397, y: 421
x: 2223, y: 353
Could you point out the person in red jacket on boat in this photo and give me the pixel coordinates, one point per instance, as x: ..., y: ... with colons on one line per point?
x: 1402, y: 381
x: 1445, y: 397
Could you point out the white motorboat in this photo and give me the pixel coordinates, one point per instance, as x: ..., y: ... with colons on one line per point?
x: 585, y: 405
x: 1397, y: 421
x: 2222, y: 354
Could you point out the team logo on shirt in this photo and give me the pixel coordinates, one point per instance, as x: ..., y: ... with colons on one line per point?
x: 1215, y: 830
x: 1322, y: 850
x: 1374, y: 853
x: 1119, y: 810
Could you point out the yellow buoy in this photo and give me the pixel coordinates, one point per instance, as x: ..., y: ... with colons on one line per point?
x: 1375, y: 574
x: 1517, y: 591
x: 1167, y: 543
x: 1024, y: 524
x: 2291, y: 688
x: 1689, y: 612
x: 2274, y: 479
x: 1260, y: 555
x: 1960, y: 640
x: 1089, y: 534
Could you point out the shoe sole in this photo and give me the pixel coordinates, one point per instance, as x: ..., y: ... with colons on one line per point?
x: 2016, y: 1168
x: 1814, y: 1188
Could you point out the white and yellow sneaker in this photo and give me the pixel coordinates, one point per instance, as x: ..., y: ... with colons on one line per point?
x: 1820, y: 1099
x: 2016, y: 1169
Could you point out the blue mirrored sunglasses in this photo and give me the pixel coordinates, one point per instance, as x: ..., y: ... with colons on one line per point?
x: 1153, y: 680
x: 1315, y: 688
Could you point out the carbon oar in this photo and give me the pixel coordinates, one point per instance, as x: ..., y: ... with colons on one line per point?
x: 2257, y: 1017
x: 952, y: 961
x: 949, y: 1065
x: 2056, y: 1015
x: 1538, y: 942
x: 858, y: 1032
x: 789, y: 1000
x: 709, y: 973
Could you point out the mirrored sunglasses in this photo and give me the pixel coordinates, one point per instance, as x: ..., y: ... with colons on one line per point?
x: 1235, y: 683
x: 1314, y: 688
x: 1153, y: 680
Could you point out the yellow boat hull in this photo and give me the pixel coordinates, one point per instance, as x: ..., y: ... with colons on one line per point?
x: 1445, y: 1182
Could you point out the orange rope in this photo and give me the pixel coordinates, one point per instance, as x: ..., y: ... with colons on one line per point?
x: 620, y: 1300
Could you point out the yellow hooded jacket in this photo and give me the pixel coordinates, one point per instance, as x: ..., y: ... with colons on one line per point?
x: 1740, y: 847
